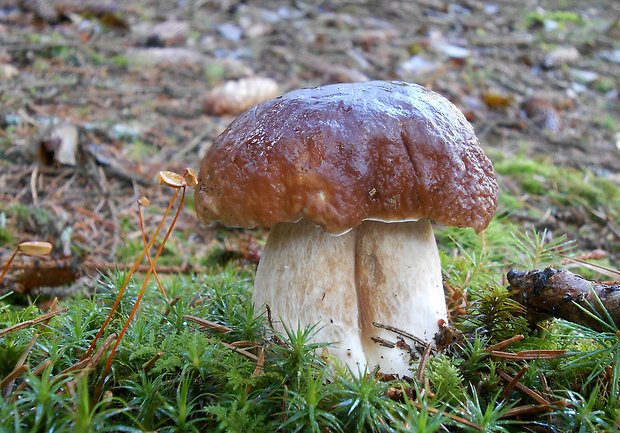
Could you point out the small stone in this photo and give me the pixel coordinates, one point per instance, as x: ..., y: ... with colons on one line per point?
x: 583, y: 76
x: 417, y: 66
x: 230, y: 31
x: 450, y: 50
x: 560, y: 56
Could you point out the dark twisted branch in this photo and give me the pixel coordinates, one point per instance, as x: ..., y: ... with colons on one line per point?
x: 565, y: 295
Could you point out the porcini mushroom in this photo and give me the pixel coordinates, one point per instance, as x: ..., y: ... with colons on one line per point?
x: 348, y: 177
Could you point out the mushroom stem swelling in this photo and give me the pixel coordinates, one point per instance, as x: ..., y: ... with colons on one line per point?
x: 377, y: 272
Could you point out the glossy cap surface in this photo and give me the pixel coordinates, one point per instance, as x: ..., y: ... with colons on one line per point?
x: 344, y: 153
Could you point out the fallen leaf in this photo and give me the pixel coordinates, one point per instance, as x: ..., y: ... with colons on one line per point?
x: 8, y: 72
x: 494, y: 99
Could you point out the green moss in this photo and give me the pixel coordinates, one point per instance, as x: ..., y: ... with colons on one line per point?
x: 562, y: 185
x: 562, y: 17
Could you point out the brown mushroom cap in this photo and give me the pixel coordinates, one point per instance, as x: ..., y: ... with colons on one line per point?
x: 344, y: 153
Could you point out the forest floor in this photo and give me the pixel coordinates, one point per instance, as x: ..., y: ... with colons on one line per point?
x: 98, y: 97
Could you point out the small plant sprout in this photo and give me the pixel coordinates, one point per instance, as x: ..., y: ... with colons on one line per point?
x: 28, y: 248
x: 179, y: 184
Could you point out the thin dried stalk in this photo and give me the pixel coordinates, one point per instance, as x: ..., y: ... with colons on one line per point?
x: 148, y: 254
x: 240, y: 351
x: 529, y: 354
x: 532, y: 409
x: 13, y: 375
x: 29, y: 323
x: 453, y: 417
x: 260, y: 362
x: 422, y: 365
x: 524, y: 389
x: 130, y: 274
x: 400, y: 332
x: 151, y: 362
x: 20, y: 362
x: 510, y: 386
x: 208, y: 324
x: 133, y: 311
x: 37, y: 372
x: 504, y: 344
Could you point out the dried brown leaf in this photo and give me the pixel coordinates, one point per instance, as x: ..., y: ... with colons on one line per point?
x: 236, y: 96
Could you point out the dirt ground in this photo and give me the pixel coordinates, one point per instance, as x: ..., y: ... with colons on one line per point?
x: 98, y: 97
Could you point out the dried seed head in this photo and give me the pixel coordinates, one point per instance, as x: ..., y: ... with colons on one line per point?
x: 190, y: 177
x: 35, y: 248
x: 143, y: 201
x: 171, y: 179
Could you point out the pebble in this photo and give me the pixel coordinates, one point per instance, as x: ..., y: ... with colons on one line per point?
x: 560, y: 56
x: 230, y: 31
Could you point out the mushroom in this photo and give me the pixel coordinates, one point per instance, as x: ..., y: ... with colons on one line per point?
x: 348, y: 176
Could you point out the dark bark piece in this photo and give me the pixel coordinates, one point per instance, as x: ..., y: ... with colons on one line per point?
x: 560, y: 293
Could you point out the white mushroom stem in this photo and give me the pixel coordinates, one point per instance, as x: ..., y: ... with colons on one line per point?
x: 378, y: 272
x: 399, y: 283
x: 306, y: 276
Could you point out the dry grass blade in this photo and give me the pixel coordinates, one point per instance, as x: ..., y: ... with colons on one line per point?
x: 260, y: 362
x: 87, y: 364
x: 530, y: 354
x: 504, y: 344
x: 383, y: 342
x: 240, y: 351
x: 532, y: 409
x: 37, y: 372
x: 13, y: 375
x: 208, y: 324
x: 524, y: 389
x: 151, y: 362
x: 510, y: 386
x: 400, y: 332
x: 453, y: 417
x: 29, y: 323
x: 422, y: 365
x: 20, y: 362
x: 604, y: 270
